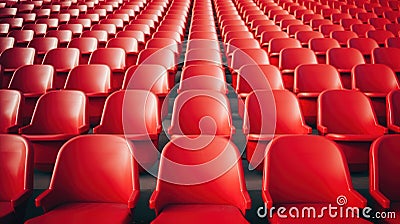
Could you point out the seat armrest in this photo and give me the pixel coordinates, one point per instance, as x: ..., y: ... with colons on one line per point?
x: 152, y: 201
x: 380, y: 198
x: 133, y: 199
x: 48, y: 200
x: 21, y: 198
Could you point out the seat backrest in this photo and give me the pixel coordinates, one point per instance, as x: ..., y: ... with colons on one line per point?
x: 241, y: 57
x: 364, y: 45
x: 6, y: 43
x: 151, y: 77
x: 122, y: 115
x: 201, y: 112
x: 163, y: 56
x: 374, y: 78
x: 62, y: 59
x: 85, y: 45
x: 199, y: 70
x: 163, y: 43
x: 393, y: 108
x: 278, y: 44
x: 290, y: 58
x: 235, y: 43
x: 90, y: 79
x: 220, y: 176
x: 322, y: 45
x: 387, y: 56
x: 253, y: 77
x: 201, y: 56
x: 352, y: 108
x: 384, y: 155
x: 315, y: 78
x: 292, y: 170
x: 80, y: 177
x: 130, y: 45
x: 344, y: 58
x: 43, y: 44
x: 113, y: 57
x: 59, y: 112
x: 10, y: 101
x: 16, y: 165
x: 16, y: 57
x: 35, y: 79
x: 273, y: 112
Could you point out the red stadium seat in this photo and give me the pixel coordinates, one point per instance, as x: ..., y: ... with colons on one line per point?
x: 6, y: 43
x: 354, y: 134
x: 180, y: 198
x: 344, y: 59
x: 262, y: 122
x: 276, y: 45
x: 135, y: 34
x: 16, y: 162
x: 76, y: 29
x: 309, y: 81
x: 289, y: 59
x: 267, y: 36
x: 383, y: 188
x: 305, y: 36
x: 21, y: 37
x: 393, y: 42
x: 58, y: 116
x: 327, y: 29
x: 113, y: 58
x: 32, y: 81
x: 39, y: 30
x: 378, y: 23
x: 94, y: 81
x: 293, y: 29
x: 63, y: 36
x: 393, y: 118
x: 380, y: 36
x: 111, y: 29
x: 375, y: 81
x: 387, y: 56
x: 211, y: 117
x: 92, y: 192
x: 140, y: 125
x: 150, y: 77
x: 42, y: 45
x: 11, y: 103
x: 13, y: 58
x: 302, y: 158
x: 361, y: 29
x: 364, y: 45
x: 130, y: 46
x: 63, y: 60
x: 343, y: 36
x: 86, y: 46
x: 86, y: 23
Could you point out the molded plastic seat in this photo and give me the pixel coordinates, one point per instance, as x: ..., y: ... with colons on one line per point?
x: 136, y: 34
x: 164, y: 57
x: 242, y: 57
x: 392, y: 105
x: 63, y: 60
x: 343, y: 36
x: 276, y: 45
x: 100, y: 35
x: 42, y: 45
x: 289, y: 59
x: 305, y: 36
x: 200, y: 70
x: 86, y: 46
x: 267, y: 36
x: 364, y: 45
x: 309, y: 82
x: 383, y: 188
x: 92, y: 192
x: 150, y: 77
x: 387, y: 56
x: 180, y: 198
x: 393, y: 42
x: 76, y: 29
x: 94, y: 81
x: 375, y: 81
x: 13, y: 58
x: 6, y: 43
x: 355, y: 133
x: 32, y: 81
x: 10, y: 119
x: 58, y: 116
x: 39, y: 30
x: 269, y: 114
x: 302, y: 158
x: 16, y: 165
x: 140, y: 125
x: 344, y: 59
x: 115, y: 59
x: 63, y: 36
x: 130, y: 46
x: 212, y: 115
x: 380, y: 36
x: 361, y: 29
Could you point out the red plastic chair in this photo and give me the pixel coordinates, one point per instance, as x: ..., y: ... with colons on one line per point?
x: 32, y: 81
x: 42, y: 45
x: 212, y: 115
x: 364, y: 45
x: 13, y: 58
x: 361, y: 29
x: 140, y: 125
x: 375, y: 81
x: 115, y: 59
x: 39, y: 30
x: 94, y: 81
x: 130, y: 46
x: 63, y: 60
x: 76, y: 29
x: 86, y: 46
x: 387, y: 56
x: 6, y: 43
x: 344, y: 59
x: 100, y: 35
x: 304, y: 186
x: 92, y: 192
x: 180, y: 198
x: 289, y: 59
x: 267, y: 36
x: 309, y: 82
x: 10, y: 119
x: 380, y: 36
x: 164, y: 57
x: 276, y: 45
x: 269, y: 114
x: 150, y: 77
x: 305, y: 36
x: 383, y: 188
x: 58, y: 116
x: 16, y: 165
x: 343, y: 36
x: 393, y: 42
x: 354, y: 134
x: 392, y: 109
x: 63, y: 36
